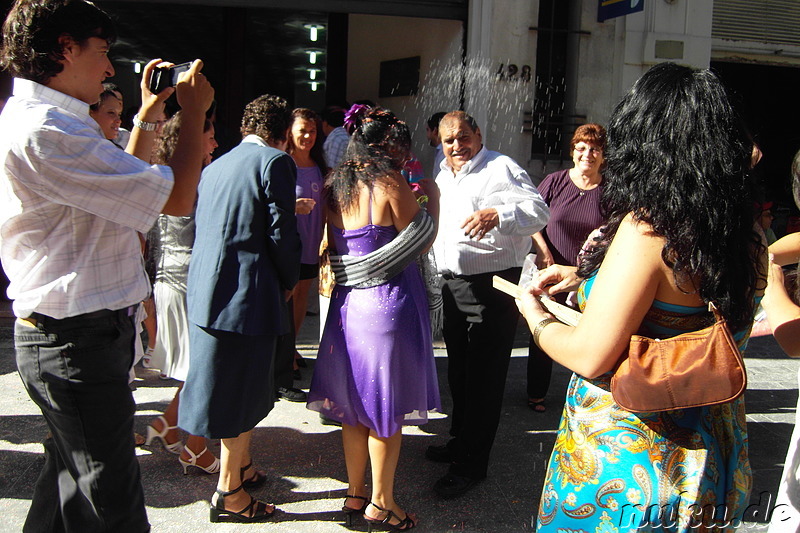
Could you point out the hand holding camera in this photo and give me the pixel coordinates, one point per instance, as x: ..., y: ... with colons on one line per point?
x: 195, y: 93
x: 166, y: 76
x: 161, y: 79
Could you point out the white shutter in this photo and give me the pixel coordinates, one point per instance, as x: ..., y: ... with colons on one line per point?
x: 763, y: 21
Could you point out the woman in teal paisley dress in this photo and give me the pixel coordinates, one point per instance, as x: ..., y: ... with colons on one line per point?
x: 680, y: 234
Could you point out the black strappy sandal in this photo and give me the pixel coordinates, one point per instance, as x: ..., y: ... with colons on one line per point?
x: 402, y: 525
x: 256, y: 510
x: 351, y: 513
x: 537, y: 406
x: 256, y: 480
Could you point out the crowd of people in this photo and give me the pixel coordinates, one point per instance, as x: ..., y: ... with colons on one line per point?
x: 654, y: 221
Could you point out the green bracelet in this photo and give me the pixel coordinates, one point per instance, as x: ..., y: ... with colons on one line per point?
x: 540, y: 326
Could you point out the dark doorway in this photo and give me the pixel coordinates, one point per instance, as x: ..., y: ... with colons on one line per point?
x: 548, y: 121
x: 766, y: 96
x: 247, y: 52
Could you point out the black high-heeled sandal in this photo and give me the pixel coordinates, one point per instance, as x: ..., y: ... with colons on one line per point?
x: 402, y: 525
x: 256, y: 510
x: 254, y: 481
x: 351, y: 513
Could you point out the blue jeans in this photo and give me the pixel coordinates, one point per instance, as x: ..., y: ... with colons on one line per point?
x: 76, y: 370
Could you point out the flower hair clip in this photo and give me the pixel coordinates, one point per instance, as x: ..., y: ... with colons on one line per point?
x: 355, y: 112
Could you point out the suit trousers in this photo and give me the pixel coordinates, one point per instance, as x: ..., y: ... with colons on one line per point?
x: 540, y: 366
x: 479, y: 327
x: 284, y: 353
x: 76, y: 370
x: 540, y: 371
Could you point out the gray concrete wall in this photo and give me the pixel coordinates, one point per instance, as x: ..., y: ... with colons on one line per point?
x: 374, y: 38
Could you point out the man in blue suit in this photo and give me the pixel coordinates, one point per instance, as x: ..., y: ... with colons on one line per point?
x: 246, y: 259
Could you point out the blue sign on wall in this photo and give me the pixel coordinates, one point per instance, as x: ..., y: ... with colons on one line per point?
x: 609, y: 9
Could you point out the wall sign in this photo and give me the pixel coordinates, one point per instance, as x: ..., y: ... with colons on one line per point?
x: 609, y: 9
x: 512, y: 72
x: 399, y: 77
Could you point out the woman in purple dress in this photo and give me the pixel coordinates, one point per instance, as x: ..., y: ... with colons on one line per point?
x: 573, y: 196
x: 375, y: 369
x: 305, y: 147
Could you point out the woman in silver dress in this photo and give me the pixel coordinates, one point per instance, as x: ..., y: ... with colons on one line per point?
x: 171, y: 354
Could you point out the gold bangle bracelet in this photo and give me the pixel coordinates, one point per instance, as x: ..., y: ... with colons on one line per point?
x: 537, y: 331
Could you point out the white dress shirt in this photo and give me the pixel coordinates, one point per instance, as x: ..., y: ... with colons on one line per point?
x: 487, y: 180
x: 123, y: 137
x: 71, y: 203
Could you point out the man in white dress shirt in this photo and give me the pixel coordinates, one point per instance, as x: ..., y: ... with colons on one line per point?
x: 71, y: 204
x: 432, y: 132
x: 490, y: 208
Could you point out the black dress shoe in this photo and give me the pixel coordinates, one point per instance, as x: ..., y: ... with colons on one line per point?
x: 439, y: 454
x: 452, y: 485
x: 325, y: 421
x: 291, y: 394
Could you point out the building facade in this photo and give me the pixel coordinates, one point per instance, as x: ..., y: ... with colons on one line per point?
x: 530, y: 71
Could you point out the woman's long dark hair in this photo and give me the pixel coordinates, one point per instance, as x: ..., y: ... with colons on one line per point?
x: 679, y: 159
x: 317, y: 155
x: 379, y: 147
x: 165, y: 145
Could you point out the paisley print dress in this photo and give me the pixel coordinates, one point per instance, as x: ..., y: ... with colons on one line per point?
x: 677, y: 471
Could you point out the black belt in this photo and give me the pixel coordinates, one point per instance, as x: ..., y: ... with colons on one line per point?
x: 513, y: 271
x: 38, y: 318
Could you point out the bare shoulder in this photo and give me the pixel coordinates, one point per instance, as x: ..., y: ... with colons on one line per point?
x: 638, y: 237
x: 391, y: 190
x: 389, y: 186
x: 636, y: 245
x: 788, y: 336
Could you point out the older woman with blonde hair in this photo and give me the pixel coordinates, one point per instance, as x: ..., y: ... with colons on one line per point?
x: 573, y: 196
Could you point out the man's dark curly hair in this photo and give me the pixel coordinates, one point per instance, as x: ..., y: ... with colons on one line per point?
x: 31, y: 33
x: 268, y: 117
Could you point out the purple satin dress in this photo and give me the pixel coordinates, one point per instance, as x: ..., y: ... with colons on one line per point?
x: 375, y: 364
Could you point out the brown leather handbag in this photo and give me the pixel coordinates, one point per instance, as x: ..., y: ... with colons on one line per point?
x: 690, y: 370
x: 326, y: 280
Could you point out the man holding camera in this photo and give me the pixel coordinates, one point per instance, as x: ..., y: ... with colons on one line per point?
x: 72, y: 204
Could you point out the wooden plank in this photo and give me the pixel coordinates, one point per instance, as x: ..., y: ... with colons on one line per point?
x: 563, y: 313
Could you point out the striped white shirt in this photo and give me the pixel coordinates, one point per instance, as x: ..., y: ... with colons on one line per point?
x: 487, y: 180
x: 70, y: 206
x: 335, y: 146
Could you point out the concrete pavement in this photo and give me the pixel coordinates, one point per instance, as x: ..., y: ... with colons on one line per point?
x: 306, y: 474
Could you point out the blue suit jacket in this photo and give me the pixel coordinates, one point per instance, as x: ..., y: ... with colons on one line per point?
x: 247, y: 249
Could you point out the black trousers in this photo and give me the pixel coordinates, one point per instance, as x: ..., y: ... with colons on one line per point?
x: 540, y: 366
x: 540, y: 370
x: 283, y: 371
x: 479, y: 327
x: 76, y: 370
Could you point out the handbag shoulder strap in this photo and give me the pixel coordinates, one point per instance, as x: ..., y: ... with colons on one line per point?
x: 712, y: 308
